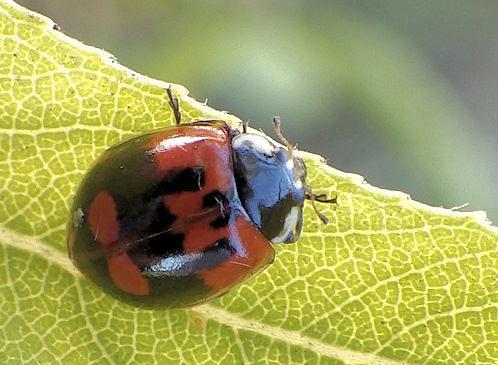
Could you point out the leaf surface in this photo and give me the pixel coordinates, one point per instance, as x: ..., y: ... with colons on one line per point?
x: 387, y: 281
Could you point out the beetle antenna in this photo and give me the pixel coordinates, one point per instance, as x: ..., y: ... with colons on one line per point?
x: 276, y: 125
x: 173, y: 102
x: 309, y: 191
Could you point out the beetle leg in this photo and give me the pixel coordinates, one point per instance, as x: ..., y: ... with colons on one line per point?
x: 173, y: 102
x: 321, y: 198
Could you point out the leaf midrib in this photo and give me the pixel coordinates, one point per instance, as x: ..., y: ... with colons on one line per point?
x: 54, y: 256
x: 291, y: 337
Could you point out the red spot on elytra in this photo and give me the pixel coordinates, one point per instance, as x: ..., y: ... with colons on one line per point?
x: 103, y: 221
x: 127, y: 276
x: 252, y: 254
x: 102, y: 218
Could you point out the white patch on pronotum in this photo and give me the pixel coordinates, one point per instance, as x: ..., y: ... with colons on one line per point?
x: 258, y: 143
x: 289, y: 226
x: 290, y: 165
x: 298, y: 184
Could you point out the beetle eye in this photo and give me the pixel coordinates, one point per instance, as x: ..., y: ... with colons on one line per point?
x: 291, y: 229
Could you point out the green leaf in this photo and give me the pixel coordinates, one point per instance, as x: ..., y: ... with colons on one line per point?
x: 388, y: 281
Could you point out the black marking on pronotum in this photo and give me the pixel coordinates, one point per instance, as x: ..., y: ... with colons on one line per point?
x: 218, y: 199
x: 273, y: 218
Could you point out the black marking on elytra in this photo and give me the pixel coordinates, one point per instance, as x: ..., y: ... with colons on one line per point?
x: 165, y: 244
x: 215, y: 254
x: 161, y: 219
x: 217, y: 199
x: 157, y: 240
x: 162, y: 241
x: 177, y: 180
x: 185, y: 264
x: 155, y: 248
x: 221, y: 221
x: 222, y: 244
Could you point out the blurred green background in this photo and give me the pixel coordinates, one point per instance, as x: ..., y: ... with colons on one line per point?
x: 404, y: 93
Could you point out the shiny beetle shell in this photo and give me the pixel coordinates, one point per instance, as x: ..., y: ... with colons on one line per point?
x: 175, y: 217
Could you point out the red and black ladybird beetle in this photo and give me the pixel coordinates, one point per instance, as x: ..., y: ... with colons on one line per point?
x: 178, y: 216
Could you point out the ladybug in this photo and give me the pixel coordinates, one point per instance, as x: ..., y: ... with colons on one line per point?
x: 178, y: 216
